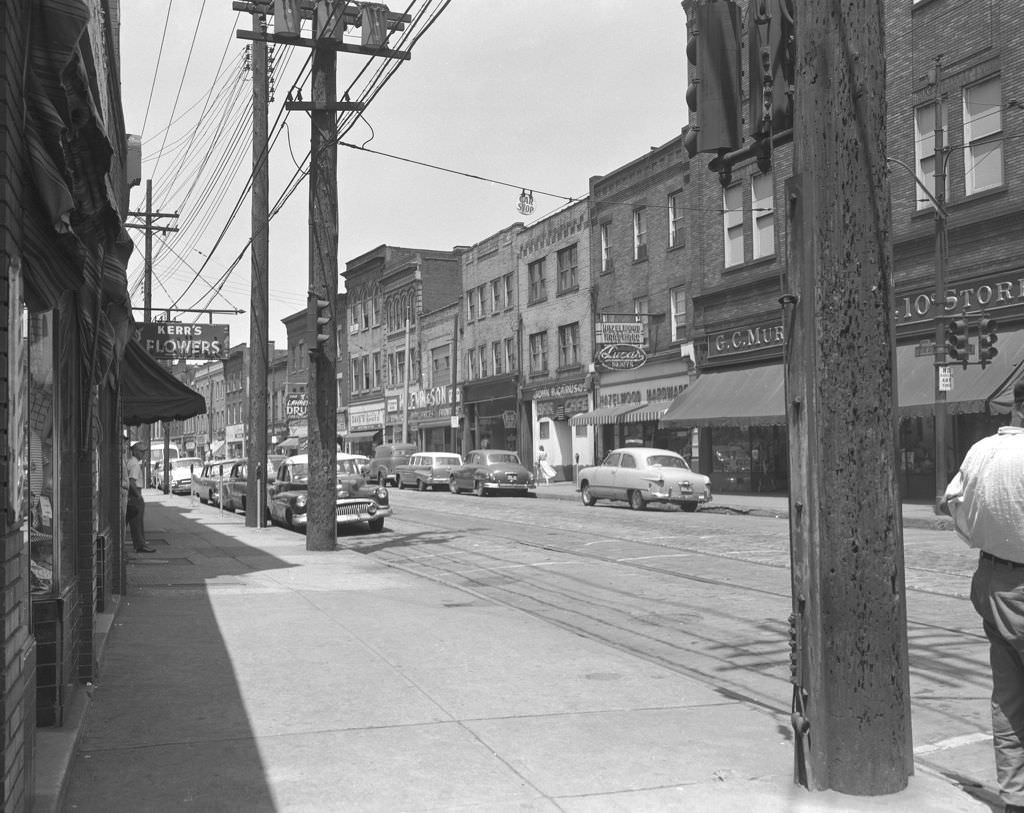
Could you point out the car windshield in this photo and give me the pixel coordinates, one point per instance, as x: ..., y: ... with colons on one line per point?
x: 186, y: 462
x: 667, y: 461
x: 503, y: 457
x: 348, y: 467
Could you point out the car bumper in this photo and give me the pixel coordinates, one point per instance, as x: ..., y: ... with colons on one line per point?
x: 349, y: 514
x: 510, y: 487
x: 675, y: 497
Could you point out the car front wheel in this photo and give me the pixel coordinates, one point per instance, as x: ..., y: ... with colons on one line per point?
x: 586, y: 497
x: 636, y: 500
x: 454, y: 489
x: 689, y: 507
x: 398, y: 483
x: 421, y: 486
x: 478, y: 488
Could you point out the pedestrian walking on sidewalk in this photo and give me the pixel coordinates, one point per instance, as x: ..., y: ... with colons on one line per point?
x: 136, y: 512
x: 984, y: 500
x: 544, y: 470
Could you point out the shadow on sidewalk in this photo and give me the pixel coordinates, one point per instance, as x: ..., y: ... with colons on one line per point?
x: 168, y: 726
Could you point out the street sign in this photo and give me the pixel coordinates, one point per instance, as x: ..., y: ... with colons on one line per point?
x: 174, y: 340
x: 945, y: 379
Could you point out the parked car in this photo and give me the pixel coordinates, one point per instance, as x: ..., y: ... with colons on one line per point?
x: 236, y: 484
x: 492, y: 471
x: 427, y: 470
x: 207, y: 484
x: 357, y: 500
x: 179, y: 478
x: 385, y: 458
x: 642, y: 475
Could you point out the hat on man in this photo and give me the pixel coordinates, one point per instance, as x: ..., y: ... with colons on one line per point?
x: 1018, y: 391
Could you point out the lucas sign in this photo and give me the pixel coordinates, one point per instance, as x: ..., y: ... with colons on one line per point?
x: 173, y: 340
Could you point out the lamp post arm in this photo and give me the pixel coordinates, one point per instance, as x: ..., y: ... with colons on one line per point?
x: 939, y: 208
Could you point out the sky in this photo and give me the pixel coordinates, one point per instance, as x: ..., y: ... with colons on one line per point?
x: 537, y: 94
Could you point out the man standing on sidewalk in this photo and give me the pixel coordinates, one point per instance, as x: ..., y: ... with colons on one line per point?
x: 986, y: 504
x: 136, y: 512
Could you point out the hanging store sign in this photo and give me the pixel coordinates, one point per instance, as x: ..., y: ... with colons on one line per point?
x: 296, y: 406
x: 621, y: 357
x: 173, y: 340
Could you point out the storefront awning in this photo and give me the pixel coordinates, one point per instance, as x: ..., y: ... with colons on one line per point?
x: 653, y: 411
x: 753, y: 396
x: 289, y: 443
x: 149, y: 393
x: 216, y: 447
x: 360, y: 435
x: 602, y: 415
x: 974, y: 389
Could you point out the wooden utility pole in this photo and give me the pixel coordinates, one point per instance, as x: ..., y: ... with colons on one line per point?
x: 329, y: 19
x: 148, y: 226
x: 321, y: 522
x: 939, y: 300
x: 255, y: 487
x: 851, y: 699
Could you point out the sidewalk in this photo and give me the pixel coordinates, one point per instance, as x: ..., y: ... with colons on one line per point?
x: 243, y: 672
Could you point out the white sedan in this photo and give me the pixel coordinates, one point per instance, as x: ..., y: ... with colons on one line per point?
x: 641, y: 475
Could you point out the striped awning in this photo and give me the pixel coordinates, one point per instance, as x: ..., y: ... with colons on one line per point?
x: 603, y: 415
x: 653, y: 411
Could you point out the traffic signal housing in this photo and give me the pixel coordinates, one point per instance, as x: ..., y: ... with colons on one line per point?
x: 319, y: 311
x: 957, y: 348
x: 987, y: 338
x: 714, y: 93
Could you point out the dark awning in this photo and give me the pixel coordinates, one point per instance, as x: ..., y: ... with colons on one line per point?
x: 753, y: 396
x: 654, y: 411
x: 369, y: 435
x: 603, y: 415
x: 974, y: 389
x: 149, y: 393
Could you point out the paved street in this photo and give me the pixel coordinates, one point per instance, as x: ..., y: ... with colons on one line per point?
x: 494, y: 654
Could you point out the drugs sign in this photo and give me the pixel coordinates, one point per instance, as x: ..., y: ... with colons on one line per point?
x: 296, y: 406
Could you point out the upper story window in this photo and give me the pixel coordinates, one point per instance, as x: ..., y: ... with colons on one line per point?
x: 675, y: 219
x: 539, y: 352
x: 365, y: 310
x: 376, y: 371
x: 482, y: 356
x: 732, y: 206
x: 376, y: 304
x: 511, y: 362
x: 606, y: 248
x: 642, y: 306
x: 538, y: 288
x: 470, y: 306
x: 567, y: 275
x: 497, y: 358
x: 762, y: 205
x: 924, y: 151
x: 569, y: 345
x: 510, y: 299
x: 677, y: 303
x: 983, y: 127
x: 639, y: 234
x: 496, y: 304
x: 471, y: 363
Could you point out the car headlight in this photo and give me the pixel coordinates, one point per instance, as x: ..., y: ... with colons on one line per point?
x: 371, y: 509
x: 381, y: 493
x: 300, y: 501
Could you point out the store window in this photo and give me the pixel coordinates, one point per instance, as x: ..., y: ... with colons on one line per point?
x: 42, y: 457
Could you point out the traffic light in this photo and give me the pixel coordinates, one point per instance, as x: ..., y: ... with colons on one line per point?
x: 319, y: 311
x: 714, y: 93
x: 771, y: 63
x: 987, y: 338
x: 956, y: 341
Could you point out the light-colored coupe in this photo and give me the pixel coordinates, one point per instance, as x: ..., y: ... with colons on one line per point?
x: 641, y: 475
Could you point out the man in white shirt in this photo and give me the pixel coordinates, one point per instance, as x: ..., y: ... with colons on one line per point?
x: 136, y: 504
x: 986, y: 501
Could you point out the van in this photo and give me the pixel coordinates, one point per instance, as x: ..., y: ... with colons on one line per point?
x: 385, y: 458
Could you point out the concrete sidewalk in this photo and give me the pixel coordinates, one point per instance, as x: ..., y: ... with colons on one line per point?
x: 243, y: 672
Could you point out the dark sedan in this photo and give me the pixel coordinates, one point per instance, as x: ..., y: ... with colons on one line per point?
x: 492, y: 471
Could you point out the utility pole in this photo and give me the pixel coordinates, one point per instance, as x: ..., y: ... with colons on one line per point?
x: 939, y: 302
x: 851, y: 700
x: 321, y: 522
x: 330, y: 17
x: 255, y: 490
x: 147, y: 225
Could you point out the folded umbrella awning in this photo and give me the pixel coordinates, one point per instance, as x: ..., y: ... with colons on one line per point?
x: 149, y: 393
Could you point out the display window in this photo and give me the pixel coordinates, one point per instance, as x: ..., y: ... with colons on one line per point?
x: 43, y: 496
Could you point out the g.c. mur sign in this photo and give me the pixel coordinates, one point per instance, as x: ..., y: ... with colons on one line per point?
x: 174, y: 340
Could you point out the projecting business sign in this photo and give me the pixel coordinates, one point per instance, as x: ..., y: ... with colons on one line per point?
x: 173, y: 340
